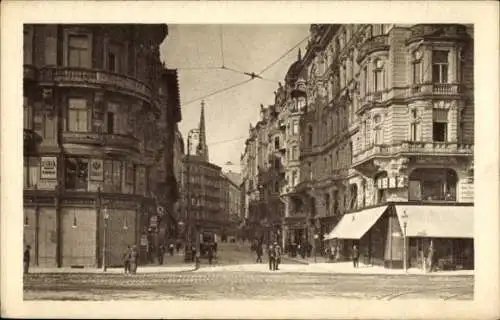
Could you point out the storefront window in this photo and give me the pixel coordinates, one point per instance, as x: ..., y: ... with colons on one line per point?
x: 433, y: 185
x: 76, y: 174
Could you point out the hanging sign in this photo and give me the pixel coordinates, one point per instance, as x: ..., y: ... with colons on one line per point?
x: 96, y: 170
x: 48, y: 168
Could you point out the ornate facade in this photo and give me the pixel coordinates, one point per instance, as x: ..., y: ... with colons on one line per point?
x: 96, y: 98
x: 389, y: 119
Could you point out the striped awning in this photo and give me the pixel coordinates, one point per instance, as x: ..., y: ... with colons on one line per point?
x: 355, y: 225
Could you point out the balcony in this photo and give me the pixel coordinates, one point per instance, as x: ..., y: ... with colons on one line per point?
x: 108, y: 140
x: 90, y: 77
x: 371, y: 151
x: 451, y: 32
x: 374, y: 44
x: 418, y: 91
x: 434, y: 148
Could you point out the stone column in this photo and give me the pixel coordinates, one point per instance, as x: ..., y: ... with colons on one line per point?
x: 427, y: 64
x: 452, y: 62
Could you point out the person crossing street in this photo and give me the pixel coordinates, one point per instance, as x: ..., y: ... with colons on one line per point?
x: 271, y: 257
x: 277, y: 255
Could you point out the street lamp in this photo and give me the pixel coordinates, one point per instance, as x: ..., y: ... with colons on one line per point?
x: 106, y: 218
x: 315, y: 239
x: 404, y: 219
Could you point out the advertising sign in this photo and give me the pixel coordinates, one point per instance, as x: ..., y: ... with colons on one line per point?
x: 48, y: 168
x: 96, y: 170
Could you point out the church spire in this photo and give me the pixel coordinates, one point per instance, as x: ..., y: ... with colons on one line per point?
x: 202, y: 149
x: 299, y: 57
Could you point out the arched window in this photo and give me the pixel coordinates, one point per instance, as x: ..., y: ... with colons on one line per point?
x: 377, y: 130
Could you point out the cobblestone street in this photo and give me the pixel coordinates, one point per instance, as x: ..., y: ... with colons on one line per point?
x: 243, y: 285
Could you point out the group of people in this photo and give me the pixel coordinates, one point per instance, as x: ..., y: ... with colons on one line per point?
x: 130, y: 257
x: 274, y: 253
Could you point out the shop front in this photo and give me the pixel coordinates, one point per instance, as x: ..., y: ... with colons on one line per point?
x: 436, y: 236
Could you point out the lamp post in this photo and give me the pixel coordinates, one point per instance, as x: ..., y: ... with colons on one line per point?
x: 315, y: 251
x: 404, y: 219
x: 104, y: 244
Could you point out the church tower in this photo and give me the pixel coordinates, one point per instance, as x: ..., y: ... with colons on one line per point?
x: 202, y: 149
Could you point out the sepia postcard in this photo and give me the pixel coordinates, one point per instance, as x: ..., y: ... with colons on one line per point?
x: 250, y: 159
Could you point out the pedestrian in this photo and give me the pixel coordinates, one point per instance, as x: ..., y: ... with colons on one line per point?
x: 210, y: 254
x: 178, y: 246
x: 171, y: 249
x: 193, y: 253
x: 259, y: 253
x: 277, y: 255
x: 126, y: 259
x: 355, y: 256
x: 26, y: 259
x: 161, y: 254
x: 133, y: 260
x: 271, y: 257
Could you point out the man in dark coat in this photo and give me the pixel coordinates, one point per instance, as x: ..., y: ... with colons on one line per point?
x: 355, y: 256
x: 161, y: 254
x: 271, y: 254
x: 126, y: 259
x: 259, y: 253
x: 26, y: 259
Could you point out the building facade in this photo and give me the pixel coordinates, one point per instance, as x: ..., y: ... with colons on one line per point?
x: 232, y: 204
x: 389, y: 125
x: 95, y: 100
x: 179, y: 154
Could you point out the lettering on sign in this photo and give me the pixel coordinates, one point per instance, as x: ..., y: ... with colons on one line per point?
x: 48, y: 168
x: 96, y: 170
x: 392, y: 182
x: 384, y: 183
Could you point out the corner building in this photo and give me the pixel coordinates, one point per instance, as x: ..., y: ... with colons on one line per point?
x: 387, y: 142
x: 96, y: 99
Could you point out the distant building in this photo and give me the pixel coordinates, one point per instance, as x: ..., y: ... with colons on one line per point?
x: 232, y: 202
x: 96, y: 100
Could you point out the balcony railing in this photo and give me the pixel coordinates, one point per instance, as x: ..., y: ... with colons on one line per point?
x: 83, y: 138
x: 419, y: 147
x: 95, y: 77
x: 121, y: 141
x: 446, y: 89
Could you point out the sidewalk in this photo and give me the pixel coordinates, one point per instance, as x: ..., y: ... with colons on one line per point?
x: 333, y: 268
x: 140, y: 269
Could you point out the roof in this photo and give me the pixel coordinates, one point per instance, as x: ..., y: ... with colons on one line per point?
x: 234, y: 177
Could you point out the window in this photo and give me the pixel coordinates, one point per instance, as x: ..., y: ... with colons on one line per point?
x: 77, y: 115
x: 335, y: 201
x: 276, y: 143
x: 414, y: 126
x: 379, y: 76
x: 381, y: 184
x: 377, y: 130
x: 440, y: 125
x: 27, y: 44
x: 76, y: 174
x: 365, y: 133
x: 78, y: 51
x: 112, y: 62
x: 365, y: 80
x: 337, y: 160
x: 310, y: 135
x: 27, y: 114
x: 295, y: 128
x: 344, y: 73
x: 431, y: 184
x: 440, y: 66
x: 113, y: 176
x: 276, y: 163
x: 31, y: 171
x: 115, y: 54
x: 110, y: 122
x: 295, y: 153
x: 417, y: 67
x: 350, y: 152
x: 294, y: 178
x: 353, y: 194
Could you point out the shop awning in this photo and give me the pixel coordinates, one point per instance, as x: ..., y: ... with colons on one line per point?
x: 355, y: 225
x: 438, y: 221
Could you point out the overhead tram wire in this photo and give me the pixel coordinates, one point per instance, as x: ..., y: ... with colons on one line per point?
x: 225, y: 141
x: 282, y: 56
x: 217, y: 92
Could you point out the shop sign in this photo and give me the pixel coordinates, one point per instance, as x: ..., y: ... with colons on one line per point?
x: 392, y: 183
x: 48, y: 168
x: 402, y: 182
x: 96, y: 170
x: 384, y: 183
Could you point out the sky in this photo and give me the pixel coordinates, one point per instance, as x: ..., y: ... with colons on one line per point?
x: 197, y: 53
